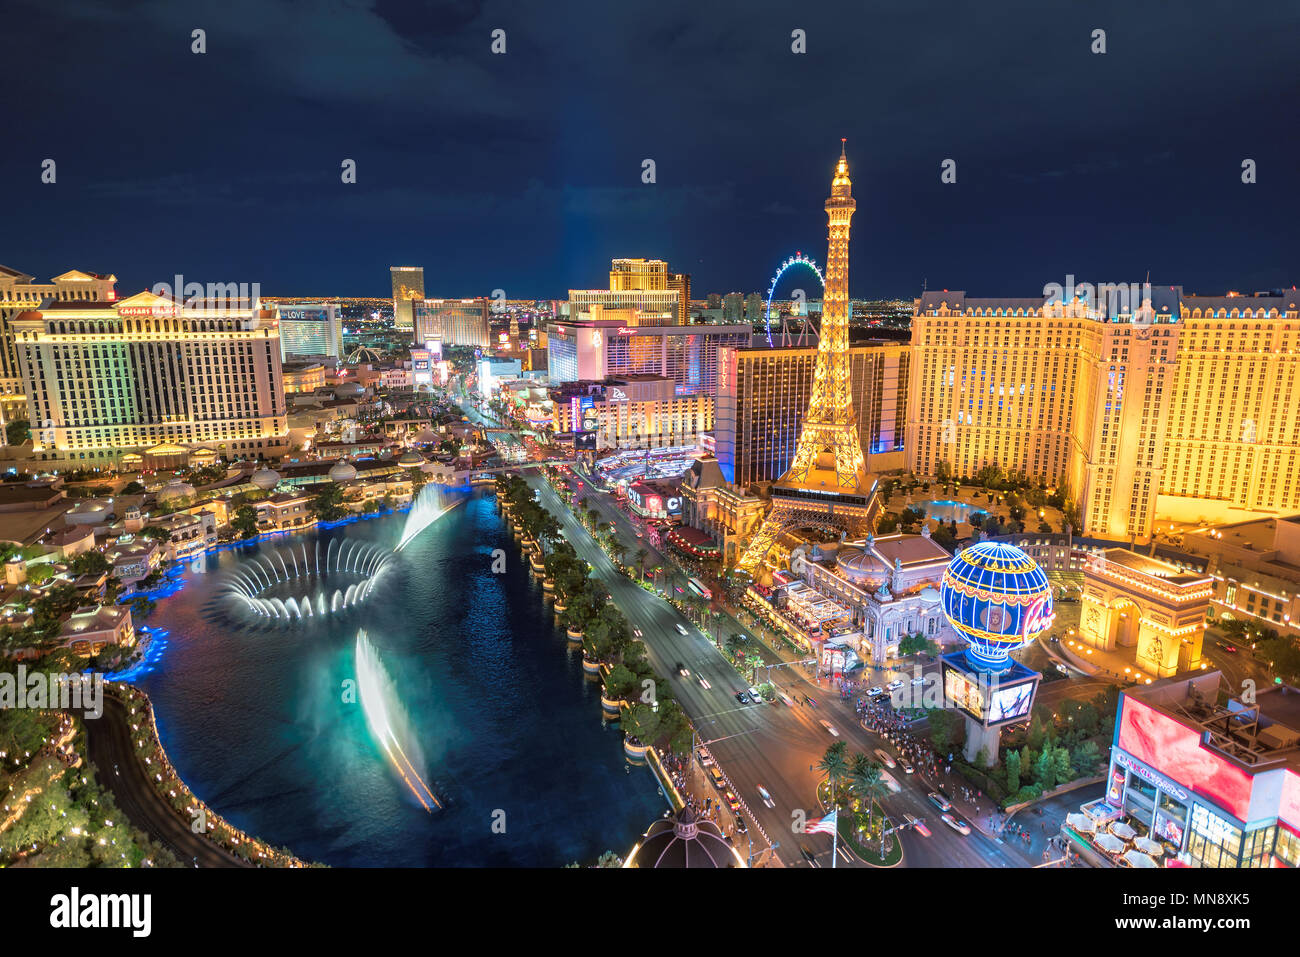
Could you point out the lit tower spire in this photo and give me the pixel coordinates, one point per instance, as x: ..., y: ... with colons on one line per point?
x: 828, y: 458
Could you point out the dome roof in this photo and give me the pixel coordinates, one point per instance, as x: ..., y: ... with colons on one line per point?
x: 859, y: 565
x: 174, y: 489
x: 343, y: 472
x: 349, y: 390
x: 684, y: 840
x: 930, y: 594
x: 410, y: 458
x: 425, y: 436
x: 265, y: 479
x: 88, y: 512
x: 996, y: 598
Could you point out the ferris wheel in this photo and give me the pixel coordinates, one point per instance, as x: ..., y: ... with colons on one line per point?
x: 807, y: 332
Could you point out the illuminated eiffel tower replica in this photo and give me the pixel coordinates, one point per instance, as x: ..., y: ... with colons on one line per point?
x: 827, y: 486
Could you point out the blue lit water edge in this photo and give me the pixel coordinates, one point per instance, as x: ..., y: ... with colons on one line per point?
x: 253, y: 716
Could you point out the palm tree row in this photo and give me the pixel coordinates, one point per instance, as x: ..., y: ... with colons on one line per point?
x: 651, y: 715
x: 863, y: 776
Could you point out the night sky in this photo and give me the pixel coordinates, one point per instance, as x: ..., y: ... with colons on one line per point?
x: 523, y: 171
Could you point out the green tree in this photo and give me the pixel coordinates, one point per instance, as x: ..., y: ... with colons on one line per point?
x: 866, y: 778
x: 641, y: 722
x: 90, y: 563
x: 912, y: 644
x: 943, y: 729
x: 1062, y: 769
x: 1013, y: 772
x: 245, y: 521
x: 836, y: 767
x: 327, y: 505
x: 1045, y: 770
x: 18, y: 431
x: 620, y: 682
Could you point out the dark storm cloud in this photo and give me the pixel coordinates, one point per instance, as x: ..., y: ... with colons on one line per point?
x: 523, y: 171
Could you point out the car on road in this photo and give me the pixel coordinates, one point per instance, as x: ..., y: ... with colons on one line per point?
x: 753, y: 693
x: 808, y: 856
x: 875, y: 692
x: 1230, y: 649
x: 733, y: 802
x: 718, y: 780
x: 906, y: 765
x: 742, y: 697
x: 811, y: 702
x: 919, y: 680
x: 917, y: 825
x: 681, y: 629
x: 956, y: 823
x: 891, y: 782
x: 1062, y: 669
x: 741, y: 826
x: 702, y: 753
x: 786, y: 698
x: 640, y: 534
x: 683, y: 670
x: 939, y: 801
x: 827, y: 725
x: 886, y: 758
x: 894, y: 685
x: 704, y: 683
x: 767, y: 798
x: 637, y: 632
x: 1055, y: 639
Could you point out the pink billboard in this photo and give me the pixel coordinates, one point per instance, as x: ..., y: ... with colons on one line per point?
x: 1174, y: 750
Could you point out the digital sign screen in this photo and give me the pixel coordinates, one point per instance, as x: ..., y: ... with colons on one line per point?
x: 1011, y: 703
x: 305, y: 315
x: 584, y: 441
x: 1175, y: 751
x: 964, y: 693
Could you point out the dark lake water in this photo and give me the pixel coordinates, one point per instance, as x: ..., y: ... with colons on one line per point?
x: 255, y: 721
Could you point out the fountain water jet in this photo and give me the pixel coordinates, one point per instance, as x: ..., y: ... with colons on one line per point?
x: 388, y: 721
x: 433, y: 502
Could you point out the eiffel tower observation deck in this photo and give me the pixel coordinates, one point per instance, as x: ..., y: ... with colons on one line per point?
x: 827, y: 486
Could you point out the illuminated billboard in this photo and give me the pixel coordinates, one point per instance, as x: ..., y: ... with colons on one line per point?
x: 991, y: 700
x: 964, y: 693
x: 1175, y: 750
x: 1010, y: 703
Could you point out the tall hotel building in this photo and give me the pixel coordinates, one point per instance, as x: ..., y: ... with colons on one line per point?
x: 1181, y: 408
x: 453, y: 322
x: 680, y: 283
x: 640, y: 293
x: 309, y: 329
x: 408, y: 288
x: 110, y: 378
x: 597, y: 349
x: 763, y: 395
x: 18, y: 292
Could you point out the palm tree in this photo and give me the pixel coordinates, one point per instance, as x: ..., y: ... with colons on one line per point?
x: 640, y: 559
x: 834, y: 765
x: 865, y: 777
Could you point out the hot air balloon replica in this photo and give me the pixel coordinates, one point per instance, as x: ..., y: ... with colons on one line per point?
x: 997, y: 599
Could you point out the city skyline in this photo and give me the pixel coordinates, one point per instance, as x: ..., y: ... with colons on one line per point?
x: 1105, y: 170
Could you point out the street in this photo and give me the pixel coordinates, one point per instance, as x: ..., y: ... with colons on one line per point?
x: 772, y: 745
